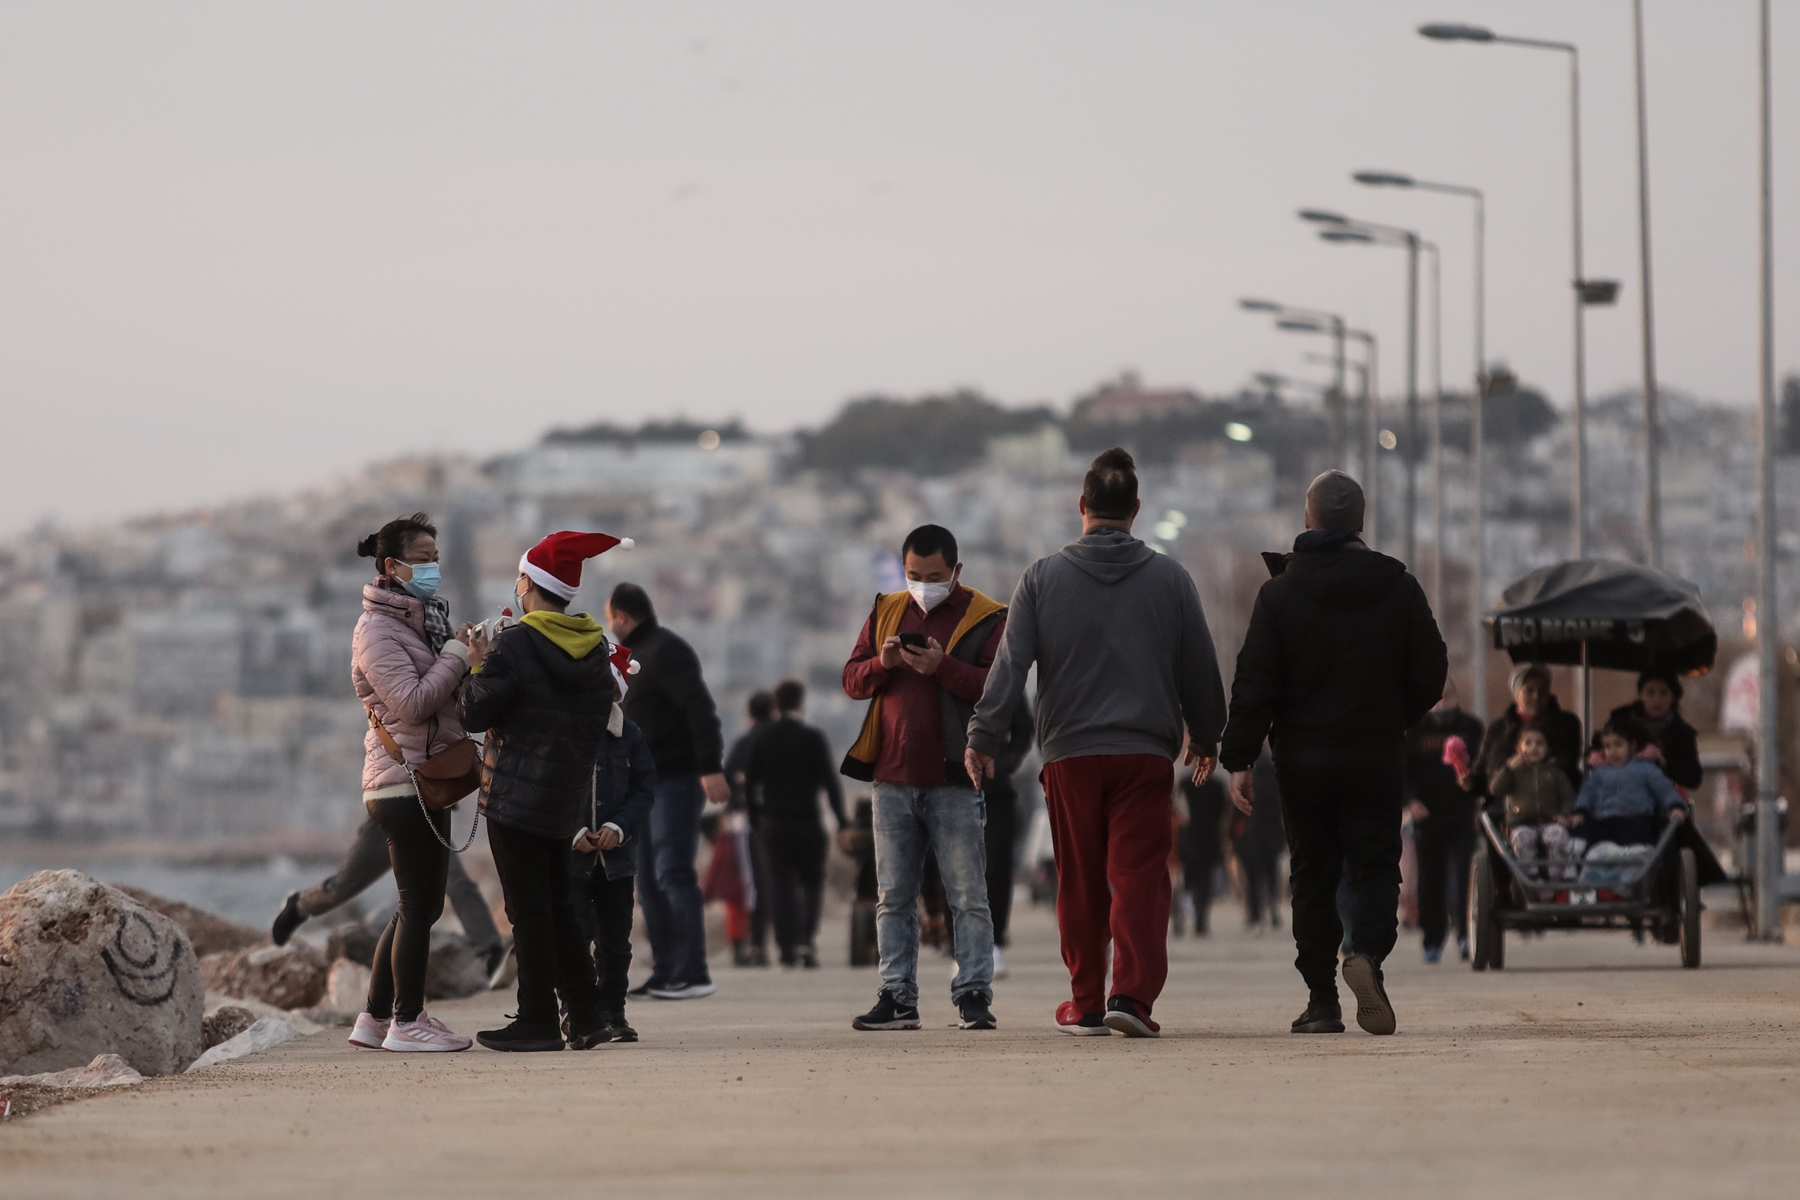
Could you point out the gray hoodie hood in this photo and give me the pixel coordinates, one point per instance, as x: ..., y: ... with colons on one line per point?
x: 1109, y: 555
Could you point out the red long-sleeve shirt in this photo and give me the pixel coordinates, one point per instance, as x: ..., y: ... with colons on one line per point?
x: 912, y: 721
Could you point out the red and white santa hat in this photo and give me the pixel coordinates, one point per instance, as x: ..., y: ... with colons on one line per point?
x: 622, y: 665
x: 554, y: 564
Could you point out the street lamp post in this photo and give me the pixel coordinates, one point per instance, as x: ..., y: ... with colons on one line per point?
x: 1342, y: 229
x: 1586, y: 291
x: 1478, y: 582
x: 1652, y: 421
x: 1769, y: 865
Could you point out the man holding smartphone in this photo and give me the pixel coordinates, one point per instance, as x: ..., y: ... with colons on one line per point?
x: 921, y: 661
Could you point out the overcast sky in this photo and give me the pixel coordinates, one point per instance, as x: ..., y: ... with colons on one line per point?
x: 246, y: 247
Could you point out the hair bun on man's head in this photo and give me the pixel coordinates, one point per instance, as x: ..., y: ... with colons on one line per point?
x: 366, y: 547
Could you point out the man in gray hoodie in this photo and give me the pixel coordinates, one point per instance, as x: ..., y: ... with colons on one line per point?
x: 1126, y: 677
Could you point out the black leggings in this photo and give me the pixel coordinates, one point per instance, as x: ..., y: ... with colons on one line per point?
x: 397, y: 985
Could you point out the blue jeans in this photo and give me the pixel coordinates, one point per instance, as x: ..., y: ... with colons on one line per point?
x: 669, y: 887
x: 908, y: 822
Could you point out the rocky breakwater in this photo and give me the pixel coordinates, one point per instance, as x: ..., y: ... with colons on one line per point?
x: 87, y: 970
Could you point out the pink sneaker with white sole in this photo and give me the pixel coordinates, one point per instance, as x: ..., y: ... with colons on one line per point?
x: 369, y: 1033
x: 427, y: 1035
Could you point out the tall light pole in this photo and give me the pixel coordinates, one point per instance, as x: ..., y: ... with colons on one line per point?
x: 1652, y: 420
x: 1340, y: 228
x: 1334, y: 398
x: 1586, y: 291
x: 1478, y: 582
x: 1769, y: 848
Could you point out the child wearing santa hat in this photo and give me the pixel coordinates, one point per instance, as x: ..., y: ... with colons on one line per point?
x: 543, y: 692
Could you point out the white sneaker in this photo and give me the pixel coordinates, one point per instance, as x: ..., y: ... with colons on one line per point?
x: 684, y: 991
x: 999, y: 964
x: 369, y: 1033
x: 426, y: 1035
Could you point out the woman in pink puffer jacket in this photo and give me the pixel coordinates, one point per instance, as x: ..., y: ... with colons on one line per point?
x: 406, y: 663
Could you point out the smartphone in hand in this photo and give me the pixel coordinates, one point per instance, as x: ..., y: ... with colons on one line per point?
x: 914, y: 640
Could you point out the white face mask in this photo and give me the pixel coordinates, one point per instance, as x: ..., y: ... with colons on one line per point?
x: 929, y: 595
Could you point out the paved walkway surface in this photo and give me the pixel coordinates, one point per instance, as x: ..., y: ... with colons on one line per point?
x: 1591, y: 1067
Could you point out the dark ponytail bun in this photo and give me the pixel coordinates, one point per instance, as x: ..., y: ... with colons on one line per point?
x: 392, y: 540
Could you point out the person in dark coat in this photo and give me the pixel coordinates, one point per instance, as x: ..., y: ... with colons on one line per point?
x: 543, y: 693
x: 789, y: 766
x: 1257, y: 840
x: 1657, y: 711
x: 1199, y: 844
x: 1002, y: 830
x: 669, y: 701
x: 752, y: 951
x: 603, y: 862
x: 1533, y: 704
x: 1342, y: 657
x: 1443, y: 817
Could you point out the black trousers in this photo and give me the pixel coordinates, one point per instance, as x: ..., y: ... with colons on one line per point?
x: 1444, y: 845
x: 419, y: 860
x: 1259, y: 868
x: 1343, y: 821
x: 1002, y: 834
x: 603, y: 913
x: 534, y: 877
x: 367, y: 860
x: 794, y: 855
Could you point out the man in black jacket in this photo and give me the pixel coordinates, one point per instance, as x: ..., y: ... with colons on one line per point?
x: 668, y: 700
x: 789, y: 766
x: 543, y: 693
x: 1342, y: 657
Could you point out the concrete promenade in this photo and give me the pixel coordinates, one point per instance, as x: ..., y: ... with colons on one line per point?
x: 1591, y: 1067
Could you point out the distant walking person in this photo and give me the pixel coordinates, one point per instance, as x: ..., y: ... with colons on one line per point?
x: 1342, y: 657
x: 921, y: 661
x: 405, y: 666
x: 750, y: 939
x: 1200, y: 843
x: 1443, y: 817
x: 789, y: 766
x: 1002, y: 833
x: 1258, y: 838
x: 668, y: 700
x: 544, y: 694
x: 1125, y: 668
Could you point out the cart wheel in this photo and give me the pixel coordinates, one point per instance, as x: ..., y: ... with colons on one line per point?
x: 1481, y: 910
x: 1690, y: 910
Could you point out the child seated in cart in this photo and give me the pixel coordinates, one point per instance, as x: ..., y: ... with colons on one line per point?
x: 1538, y: 797
x: 1623, y: 796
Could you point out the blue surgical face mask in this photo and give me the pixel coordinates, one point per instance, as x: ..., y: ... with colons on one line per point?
x: 424, y: 581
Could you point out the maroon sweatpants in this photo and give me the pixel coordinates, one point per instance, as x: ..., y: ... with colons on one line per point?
x: 1109, y: 823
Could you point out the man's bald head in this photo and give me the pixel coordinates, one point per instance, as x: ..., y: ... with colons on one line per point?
x: 1334, y: 501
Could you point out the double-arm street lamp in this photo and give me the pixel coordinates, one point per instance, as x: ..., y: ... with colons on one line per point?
x: 1587, y: 291
x: 1478, y: 583
x: 1330, y: 323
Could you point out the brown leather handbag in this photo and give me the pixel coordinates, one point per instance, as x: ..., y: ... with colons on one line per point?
x: 444, y: 778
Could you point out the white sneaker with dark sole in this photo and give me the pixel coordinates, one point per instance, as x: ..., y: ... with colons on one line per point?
x: 1374, y: 1012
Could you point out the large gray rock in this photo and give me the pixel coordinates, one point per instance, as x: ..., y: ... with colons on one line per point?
x: 455, y: 969
x: 86, y: 970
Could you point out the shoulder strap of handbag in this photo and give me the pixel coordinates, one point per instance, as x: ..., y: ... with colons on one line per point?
x: 387, y: 739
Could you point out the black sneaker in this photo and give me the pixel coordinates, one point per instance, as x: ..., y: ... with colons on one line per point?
x: 1373, y: 1010
x: 1321, y: 1016
x: 975, y: 1012
x: 287, y: 920
x: 588, y: 1033
x: 809, y: 958
x: 1125, y: 1015
x: 642, y: 990
x: 523, y: 1037
x: 618, y: 1028
x: 888, y: 1013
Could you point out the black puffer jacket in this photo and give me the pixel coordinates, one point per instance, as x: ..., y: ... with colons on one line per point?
x: 1342, y: 651
x: 544, y: 711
